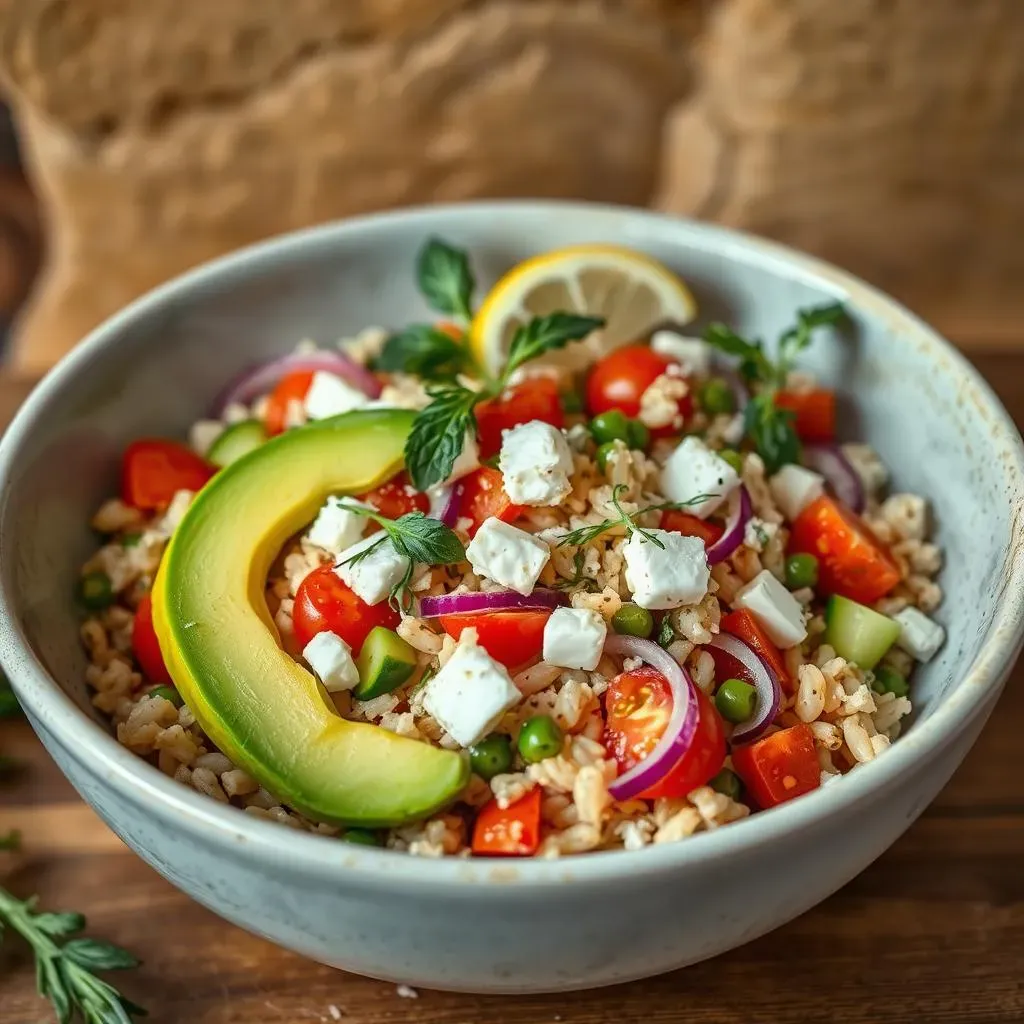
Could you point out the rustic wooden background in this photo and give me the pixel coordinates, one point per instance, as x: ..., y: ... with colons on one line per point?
x: 932, y: 932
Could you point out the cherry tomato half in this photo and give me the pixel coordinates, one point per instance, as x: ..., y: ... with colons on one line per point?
x: 145, y: 646
x: 638, y: 706
x: 510, y: 832
x: 481, y: 495
x: 152, y: 472
x: 690, y: 526
x: 292, y: 387
x: 619, y: 380
x: 534, y: 399
x: 513, y: 638
x: 815, y: 413
x: 396, y: 498
x: 743, y: 625
x: 323, y: 602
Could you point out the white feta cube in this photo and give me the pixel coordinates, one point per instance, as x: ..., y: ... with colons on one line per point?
x: 202, y: 435
x: 336, y: 527
x: 777, y: 611
x: 920, y: 636
x: 574, y: 638
x: 536, y: 462
x: 693, y: 354
x: 374, y: 576
x: 466, y: 461
x: 693, y: 470
x: 794, y: 488
x: 507, y: 555
x: 331, y: 659
x: 470, y: 694
x: 329, y: 395
x: 667, y: 577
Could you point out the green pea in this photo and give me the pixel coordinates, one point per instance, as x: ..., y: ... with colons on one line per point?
x: 801, y: 571
x: 361, y: 837
x: 168, y: 693
x: 572, y: 402
x: 610, y: 426
x: 95, y: 591
x: 131, y: 540
x: 727, y: 783
x: 736, y: 700
x: 716, y: 396
x: 491, y: 756
x: 733, y: 457
x: 607, y: 449
x: 888, y: 680
x: 632, y: 620
x: 639, y: 436
x: 539, y: 738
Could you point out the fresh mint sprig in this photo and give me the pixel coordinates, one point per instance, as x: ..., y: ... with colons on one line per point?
x: 770, y: 428
x: 445, y: 278
x: 426, y: 352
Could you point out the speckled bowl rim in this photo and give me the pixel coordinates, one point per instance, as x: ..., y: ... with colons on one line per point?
x: 321, y: 858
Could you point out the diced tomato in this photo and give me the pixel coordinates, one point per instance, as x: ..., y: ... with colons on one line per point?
x: 742, y: 624
x: 619, y: 380
x: 534, y: 399
x: 512, y: 832
x: 779, y: 767
x: 638, y: 706
x: 481, y: 495
x: 690, y: 526
x: 145, y: 646
x: 324, y: 603
x: 396, y: 498
x: 851, y: 560
x: 815, y: 413
x: 152, y: 472
x: 513, y: 638
x: 292, y: 387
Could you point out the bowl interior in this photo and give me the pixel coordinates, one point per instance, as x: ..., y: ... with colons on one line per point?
x: 154, y: 369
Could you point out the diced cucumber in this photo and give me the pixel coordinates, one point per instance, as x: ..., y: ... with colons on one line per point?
x: 385, y: 662
x: 239, y: 439
x: 858, y: 633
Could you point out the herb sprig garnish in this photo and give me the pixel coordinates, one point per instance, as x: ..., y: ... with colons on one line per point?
x: 579, y: 577
x: 65, y: 965
x: 439, y: 433
x: 585, y: 534
x: 416, y: 537
x: 770, y: 428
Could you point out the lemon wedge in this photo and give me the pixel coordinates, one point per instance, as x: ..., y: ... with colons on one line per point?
x: 633, y: 292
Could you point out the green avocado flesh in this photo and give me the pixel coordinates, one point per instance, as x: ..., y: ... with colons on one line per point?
x: 265, y: 711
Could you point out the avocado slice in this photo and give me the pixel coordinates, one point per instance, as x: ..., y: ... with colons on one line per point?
x: 264, y: 710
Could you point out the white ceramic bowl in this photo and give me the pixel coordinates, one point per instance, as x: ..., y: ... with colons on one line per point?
x: 486, y: 925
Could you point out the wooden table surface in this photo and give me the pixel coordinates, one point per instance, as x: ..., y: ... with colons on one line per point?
x: 933, y: 931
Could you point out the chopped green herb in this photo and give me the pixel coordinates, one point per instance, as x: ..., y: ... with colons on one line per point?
x: 426, y: 352
x: 445, y: 278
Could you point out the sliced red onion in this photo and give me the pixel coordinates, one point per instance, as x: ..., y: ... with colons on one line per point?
x: 444, y: 504
x: 677, y: 738
x: 764, y: 680
x: 258, y: 380
x: 541, y: 599
x: 835, y: 467
x: 735, y: 527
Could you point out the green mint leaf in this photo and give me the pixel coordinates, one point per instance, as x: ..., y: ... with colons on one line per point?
x: 545, y: 334
x: 445, y: 278
x: 438, y: 435
x: 423, y: 539
x: 59, y: 925
x: 423, y: 351
x: 11, y: 840
x: 772, y: 431
x: 95, y: 955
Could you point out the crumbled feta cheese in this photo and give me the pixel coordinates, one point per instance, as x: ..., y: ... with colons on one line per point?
x: 794, y: 488
x: 659, y: 404
x: 536, y: 463
x: 774, y: 607
x: 920, y: 636
x: 329, y: 395
x: 693, y: 354
x: 175, y: 512
x: 579, y: 437
x: 507, y: 555
x: 667, y: 577
x: 202, y: 435
x: 469, y: 694
x: 868, y: 466
x: 693, y: 470
x: 331, y: 659
x: 574, y: 638
x: 758, y: 534
x: 466, y: 461
x: 335, y: 527
x: 374, y: 576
